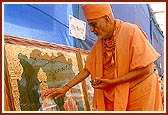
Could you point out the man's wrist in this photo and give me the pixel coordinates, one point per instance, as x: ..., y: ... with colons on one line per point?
x: 67, y: 87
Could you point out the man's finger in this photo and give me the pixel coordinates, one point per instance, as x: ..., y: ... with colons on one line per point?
x: 49, y: 91
x: 99, y: 86
x: 58, y: 96
x: 105, y: 80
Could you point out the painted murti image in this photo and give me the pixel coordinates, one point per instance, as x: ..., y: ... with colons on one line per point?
x: 56, y: 72
x: 34, y: 69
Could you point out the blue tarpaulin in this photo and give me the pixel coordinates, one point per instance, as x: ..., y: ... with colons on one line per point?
x: 50, y: 23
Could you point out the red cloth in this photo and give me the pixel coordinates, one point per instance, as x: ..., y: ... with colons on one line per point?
x: 70, y: 105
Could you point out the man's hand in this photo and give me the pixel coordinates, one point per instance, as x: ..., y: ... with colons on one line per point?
x: 100, y: 83
x: 58, y: 92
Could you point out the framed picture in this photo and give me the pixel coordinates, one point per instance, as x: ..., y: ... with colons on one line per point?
x: 34, y: 66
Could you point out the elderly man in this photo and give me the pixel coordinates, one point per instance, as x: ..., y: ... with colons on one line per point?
x: 120, y: 63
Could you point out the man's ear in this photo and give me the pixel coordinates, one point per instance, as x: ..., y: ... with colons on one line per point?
x: 107, y: 17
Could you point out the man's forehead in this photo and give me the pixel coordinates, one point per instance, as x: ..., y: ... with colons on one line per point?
x: 92, y: 23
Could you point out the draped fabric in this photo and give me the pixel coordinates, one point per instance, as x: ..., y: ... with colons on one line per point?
x: 133, y: 51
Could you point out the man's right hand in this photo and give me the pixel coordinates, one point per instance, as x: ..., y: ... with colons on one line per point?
x: 59, y: 92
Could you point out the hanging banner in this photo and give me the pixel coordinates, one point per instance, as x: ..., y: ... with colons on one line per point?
x: 77, y: 28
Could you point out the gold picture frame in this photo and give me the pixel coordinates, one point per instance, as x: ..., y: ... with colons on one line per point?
x: 34, y: 66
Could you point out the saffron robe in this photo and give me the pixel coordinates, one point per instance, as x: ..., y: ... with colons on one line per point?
x: 133, y: 51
